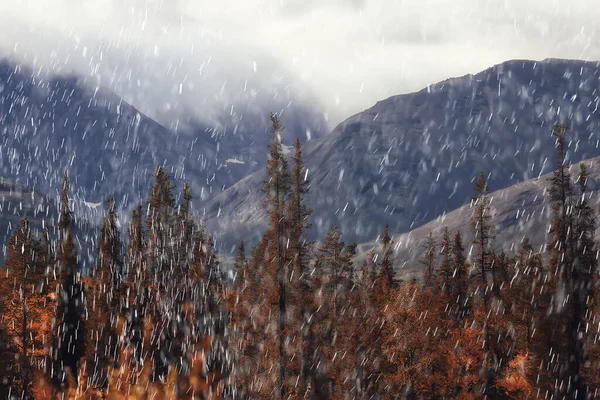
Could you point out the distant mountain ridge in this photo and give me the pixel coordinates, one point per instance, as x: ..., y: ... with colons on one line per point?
x: 412, y: 157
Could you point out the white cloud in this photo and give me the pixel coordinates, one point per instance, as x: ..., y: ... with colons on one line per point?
x: 341, y: 56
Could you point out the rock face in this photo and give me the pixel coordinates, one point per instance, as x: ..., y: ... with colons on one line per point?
x: 410, y: 158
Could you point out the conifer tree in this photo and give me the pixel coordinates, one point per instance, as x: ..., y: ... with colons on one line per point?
x: 299, y: 281
x: 207, y: 298
x: 459, y: 276
x: 484, y: 261
x: 249, y: 323
x: 386, y: 267
x: 368, y: 352
x: 298, y: 212
x: 428, y: 260
x: 482, y: 229
x: 239, y: 309
x: 446, y: 270
x: 105, y: 299
x: 71, y: 328
x: 585, y: 268
x: 138, y: 283
x: 527, y: 298
x: 351, y: 370
x: 159, y: 224
x: 561, y: 192
x: 277, y: 188
x: 565, y: 266
x: 264, y: 299
x: 163, y: 273
x: 25, y: 319
x: 135, y: 260
x: 185, y: 232
x: 334, y: 267
x: 585, y: 227
x: 240, y: 266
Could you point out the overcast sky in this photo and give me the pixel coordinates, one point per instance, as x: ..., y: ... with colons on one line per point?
x: 339, y: 56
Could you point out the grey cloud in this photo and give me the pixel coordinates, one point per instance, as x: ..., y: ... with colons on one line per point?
x: 339, y: 56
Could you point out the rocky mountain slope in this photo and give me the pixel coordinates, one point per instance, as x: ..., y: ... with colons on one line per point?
x: 410, y: 158
x: 519, y: 211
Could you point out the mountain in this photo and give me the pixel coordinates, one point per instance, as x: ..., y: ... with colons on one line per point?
x: 50, y: 123
x: 519, y: 211
x: 413, y: 157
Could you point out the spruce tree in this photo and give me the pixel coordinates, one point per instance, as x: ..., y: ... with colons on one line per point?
x: 585, y: 227
x: 207, y: 290
x: 585, y: 268
x: 446, y: 270
x: 71, y: 332
x: 248, y: 304
x: 561, y: 192
x: 299, y: 282
x: 263, y: 304
x: 566, y: 266
x: 482, y: 229
x: 159, y: 224
x: 137, y: 284
x: 459, y: 276
x: 386, y: 267
x: 105, y: 299
x: 276, y: 189
x: 25, y: 321
x: 335, y: 268
x: 163, y: 273
x: 428, y: 260
x: 369, y: 350
x: 298, y: 213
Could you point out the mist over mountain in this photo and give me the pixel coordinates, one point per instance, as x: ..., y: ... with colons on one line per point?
x: 51, y: 123
x: 412, y: 157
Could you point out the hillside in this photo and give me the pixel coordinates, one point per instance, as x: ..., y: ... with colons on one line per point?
x: 518, y: 211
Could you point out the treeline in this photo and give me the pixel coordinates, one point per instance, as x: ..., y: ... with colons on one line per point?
x: 156, y: 318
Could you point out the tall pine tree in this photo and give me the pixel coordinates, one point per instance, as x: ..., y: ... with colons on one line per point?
x: 70, y: 329
x: 565, y: 266
x: 105, y: 299
x: 277, y: 188
x: 428, y: 260
x: 27, y: 310
x: 482, y: 230
x: 300, y: 280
